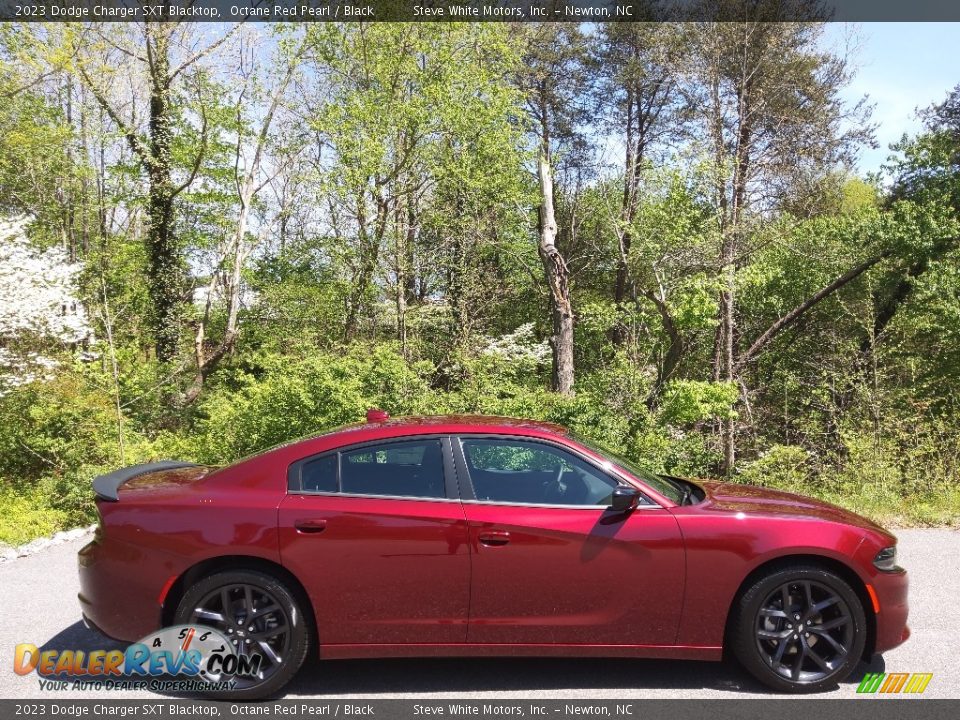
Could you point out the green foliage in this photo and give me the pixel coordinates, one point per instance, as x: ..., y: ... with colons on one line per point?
x: 25, y: 514
x: 932, y: 321
x: 858, y: 195
x: 691, y: 401
x: 290, y: 398
x: 899, y: 477
x: 33, y: 143
x: 300, y: 300
x: 48, y: 427
x: 785, y: 467
x: 55, y: 437
x: 695, y: 305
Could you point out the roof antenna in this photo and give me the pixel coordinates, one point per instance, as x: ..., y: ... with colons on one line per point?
x: 377, y: 415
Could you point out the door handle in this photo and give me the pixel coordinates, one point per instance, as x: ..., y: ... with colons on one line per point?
x: 494, y: 538
x: 310, y: 526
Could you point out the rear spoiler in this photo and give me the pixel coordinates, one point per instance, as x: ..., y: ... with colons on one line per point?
x: 106, y: 486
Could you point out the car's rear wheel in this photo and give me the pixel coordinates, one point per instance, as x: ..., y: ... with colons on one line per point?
x: 799, y: 629
x: 259, y: 615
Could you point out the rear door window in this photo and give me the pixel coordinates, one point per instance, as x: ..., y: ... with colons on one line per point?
x: 320, y: 475
x: 405, y: 468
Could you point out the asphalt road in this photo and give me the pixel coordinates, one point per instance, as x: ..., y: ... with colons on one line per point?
x: 39, y: 605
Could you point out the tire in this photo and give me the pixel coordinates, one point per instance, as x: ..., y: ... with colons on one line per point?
x: 813, y: 644
x: 280, y: 609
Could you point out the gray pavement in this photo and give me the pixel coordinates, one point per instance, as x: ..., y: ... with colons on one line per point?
x: 38, y: 605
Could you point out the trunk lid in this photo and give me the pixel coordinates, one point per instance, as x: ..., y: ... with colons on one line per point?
x: 147, y: 477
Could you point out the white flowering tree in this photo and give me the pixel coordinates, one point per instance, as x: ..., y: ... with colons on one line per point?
x: 520, y: 346
x: 39, y: 309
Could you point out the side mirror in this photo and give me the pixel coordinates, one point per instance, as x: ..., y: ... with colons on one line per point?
x: 624, y: 498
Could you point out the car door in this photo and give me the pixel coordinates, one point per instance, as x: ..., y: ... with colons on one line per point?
x: 377, y: 534
x: 552, y: 563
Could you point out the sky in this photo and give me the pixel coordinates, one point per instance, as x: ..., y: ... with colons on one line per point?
x: 901, y: 67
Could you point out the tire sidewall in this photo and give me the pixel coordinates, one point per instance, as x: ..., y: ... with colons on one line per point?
x: 745, y: 645
x: 299, y: 633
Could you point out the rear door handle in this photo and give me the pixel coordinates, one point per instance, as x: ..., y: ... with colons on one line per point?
x: 494, y: 538
x: 310, y: 526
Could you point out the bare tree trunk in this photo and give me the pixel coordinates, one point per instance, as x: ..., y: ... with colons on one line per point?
x: 84, y: 179
x: 558, y: 281
x: 727, y: 324
x: 725, y: 363
x: 720, y: 201
x: 114, y: 368
x: 628, y: 205
x: 234, y: 258
x: 68, y: 200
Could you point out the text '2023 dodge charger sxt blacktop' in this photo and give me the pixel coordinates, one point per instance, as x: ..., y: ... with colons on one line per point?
x: 479, y: 536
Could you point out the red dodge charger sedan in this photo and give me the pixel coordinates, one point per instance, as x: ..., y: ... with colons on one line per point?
x: 471, y: 535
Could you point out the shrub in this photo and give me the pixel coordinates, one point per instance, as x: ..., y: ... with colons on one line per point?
x: 57, y: 425
x: 292, y: 398
x: 25, y: 514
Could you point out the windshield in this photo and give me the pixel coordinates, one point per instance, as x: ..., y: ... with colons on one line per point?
x: 660, y: 484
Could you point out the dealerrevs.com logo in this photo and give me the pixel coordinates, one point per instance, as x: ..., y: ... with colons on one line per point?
x: 181, y: 658
x: 894, y: 683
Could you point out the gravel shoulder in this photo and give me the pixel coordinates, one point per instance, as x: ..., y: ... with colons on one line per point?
x: 39, y: 606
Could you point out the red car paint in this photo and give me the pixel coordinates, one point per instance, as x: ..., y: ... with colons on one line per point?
x: 408, y: 577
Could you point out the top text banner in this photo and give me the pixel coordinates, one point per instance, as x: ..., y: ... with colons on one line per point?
x: 481, y: 10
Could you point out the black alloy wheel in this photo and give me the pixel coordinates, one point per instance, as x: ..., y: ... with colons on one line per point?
x: 253, y: 620
x: 259, y: 616
x: 804, y: 631
x: 800, y: 629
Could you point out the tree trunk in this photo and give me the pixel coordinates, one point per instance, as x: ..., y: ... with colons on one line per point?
x: 675, y: 351
x: 796, y: 313
x: 369, y: 239
x: 457, y: 280
x: 165, y: 270
x: 405, y: 230
x: 726, y: 362
x: 631, y: 166
x: 558, y: 281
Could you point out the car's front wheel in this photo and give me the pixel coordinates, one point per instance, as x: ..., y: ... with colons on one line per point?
x: 260, y: 616
x: 799, y: 629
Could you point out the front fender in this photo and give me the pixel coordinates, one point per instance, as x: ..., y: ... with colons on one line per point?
x: 724, y: 549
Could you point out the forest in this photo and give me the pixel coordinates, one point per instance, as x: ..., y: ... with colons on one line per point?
x: 215, y: 238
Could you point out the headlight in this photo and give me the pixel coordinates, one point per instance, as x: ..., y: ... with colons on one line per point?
x: 886, y: 559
